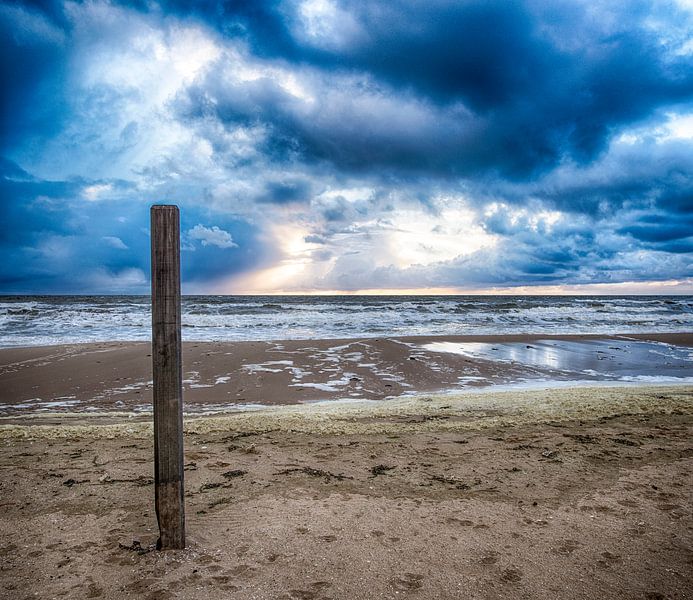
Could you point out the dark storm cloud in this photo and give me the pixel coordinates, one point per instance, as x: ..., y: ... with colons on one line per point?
x: 286, y: 192
x: 662, y: 231
x: 535, y: 96
x: 648, y: 174
x: 360, y: 131
x: 28, y: 204
x: 659, y: 229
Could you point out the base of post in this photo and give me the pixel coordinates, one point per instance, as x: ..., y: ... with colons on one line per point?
x: 170, y: 515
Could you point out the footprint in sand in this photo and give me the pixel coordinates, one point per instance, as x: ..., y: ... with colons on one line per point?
x: 408, y: 582
x: 511, y: 575
x: 242, y: 571
x: 566, y: 547
x: 273, y: 557
x: 140, y: 585
x: 320, y: 585
x: 206, y: 559
x: 460, y: 522
x: 302, y: 594
x: 316, y: 588
x: 609, y: 559
x: 490, y: 557
x: 94, y: 591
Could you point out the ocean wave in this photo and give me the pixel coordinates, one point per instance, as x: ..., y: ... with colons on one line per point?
x: 51, y: 320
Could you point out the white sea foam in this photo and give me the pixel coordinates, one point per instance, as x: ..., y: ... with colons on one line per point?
x: 268, y: 367
x: 39, y: 405
x: 323, y: 387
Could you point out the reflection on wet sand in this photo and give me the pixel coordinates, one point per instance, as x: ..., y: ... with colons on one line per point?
x: 610, y: 359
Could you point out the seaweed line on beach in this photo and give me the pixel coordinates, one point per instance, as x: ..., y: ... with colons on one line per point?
x: 466, y: 412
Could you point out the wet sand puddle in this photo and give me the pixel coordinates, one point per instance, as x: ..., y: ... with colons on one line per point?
x: 611, y: 359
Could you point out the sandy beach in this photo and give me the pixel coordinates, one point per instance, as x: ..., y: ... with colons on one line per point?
x: 362, y: 468
x: 536, y: 494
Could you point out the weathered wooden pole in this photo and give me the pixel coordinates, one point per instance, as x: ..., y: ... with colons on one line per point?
x: 167, y: 376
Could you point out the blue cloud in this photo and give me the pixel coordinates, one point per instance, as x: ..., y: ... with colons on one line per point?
x: 286, y: 192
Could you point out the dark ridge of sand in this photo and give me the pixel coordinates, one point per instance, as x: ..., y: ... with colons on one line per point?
x: 116, y: 376
x: 548, y: 495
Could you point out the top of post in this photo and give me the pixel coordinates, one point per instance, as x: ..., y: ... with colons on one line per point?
x: 157, y: 207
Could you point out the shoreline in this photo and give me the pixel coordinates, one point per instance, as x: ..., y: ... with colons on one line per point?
x: 116, y: 376
x: 676, y: 337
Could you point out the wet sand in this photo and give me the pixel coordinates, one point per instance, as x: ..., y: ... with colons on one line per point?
x: 545, y: 494
x: 116, y: 376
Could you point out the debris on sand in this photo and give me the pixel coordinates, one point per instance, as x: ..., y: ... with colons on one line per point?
x: 70, y: 482
x: 234, y: 473
x: 210, y: 486
x: 137, y: 546
x: 581, y: 438
x: 380, y: 469
x: 459, y: 485
x: 315, y: 473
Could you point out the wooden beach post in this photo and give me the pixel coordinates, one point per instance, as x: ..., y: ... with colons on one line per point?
x: 167, y: 376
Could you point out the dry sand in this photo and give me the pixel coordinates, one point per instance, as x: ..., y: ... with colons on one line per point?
x: 549, y: 494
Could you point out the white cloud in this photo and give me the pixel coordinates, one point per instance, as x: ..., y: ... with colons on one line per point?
x: 423, y: 238
x: 212, y: 236
x: 325, y: 24
x: 125, y: 72
x: 115, y: 242
x: 680, y: 126
x: 96, y: 191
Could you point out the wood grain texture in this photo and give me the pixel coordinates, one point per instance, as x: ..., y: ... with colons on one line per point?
x: 167, y: 376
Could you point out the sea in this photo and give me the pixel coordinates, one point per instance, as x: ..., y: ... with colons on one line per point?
x: 46, y: 320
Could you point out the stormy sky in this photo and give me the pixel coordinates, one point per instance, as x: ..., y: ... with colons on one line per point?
x: 334, y: 145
